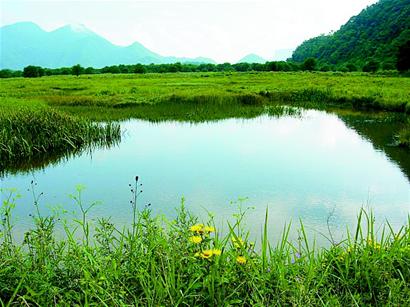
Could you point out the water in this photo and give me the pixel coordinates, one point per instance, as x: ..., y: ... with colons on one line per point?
x: 312, y: 167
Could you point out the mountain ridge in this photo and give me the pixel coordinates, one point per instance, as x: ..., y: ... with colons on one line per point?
x: 70, y: 45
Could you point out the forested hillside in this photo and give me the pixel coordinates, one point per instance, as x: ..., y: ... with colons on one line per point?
x: 369, y: 40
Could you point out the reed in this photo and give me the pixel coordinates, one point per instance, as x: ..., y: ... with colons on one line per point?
x: 28, y: 133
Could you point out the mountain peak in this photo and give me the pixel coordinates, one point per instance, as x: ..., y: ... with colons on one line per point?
x: 74, y: 28
x: 69, y: 45
x: 22, y: 26
x: 252, y: 58
x: 78, y: 28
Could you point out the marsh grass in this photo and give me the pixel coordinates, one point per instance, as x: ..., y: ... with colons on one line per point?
x: 197, y: 97
x: 404, y: 136
x: 184, y: 262
x: 30, y: 134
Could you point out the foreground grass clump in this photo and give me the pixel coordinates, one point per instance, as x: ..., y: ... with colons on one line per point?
x: 181, y: 261
x: 29, y: 132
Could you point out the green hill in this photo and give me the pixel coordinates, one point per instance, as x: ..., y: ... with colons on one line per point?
x: 375, y: 34
x: 252, y: 58
x: 25, y: 43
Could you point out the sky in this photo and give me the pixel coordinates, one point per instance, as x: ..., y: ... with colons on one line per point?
x: 224, y: 30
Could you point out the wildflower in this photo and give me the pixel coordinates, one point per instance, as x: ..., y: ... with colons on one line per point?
x: 237, y: 242
x: 206, y: 254
x: 241, y: 259
x: 297, y: 256
x: 195, y: 239
x: 216, y: 252
x: 198, y: 228
x: 375, y: 245
x: 209, y: 229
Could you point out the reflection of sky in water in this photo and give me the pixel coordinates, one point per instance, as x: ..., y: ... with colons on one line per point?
x: 297, y: 167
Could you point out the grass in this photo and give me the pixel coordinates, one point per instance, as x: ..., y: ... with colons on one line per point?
x: 187, y: 262
x: 404, y: 136
x: 206, y: 96
x: 30, y: 134
x: 355, y: 90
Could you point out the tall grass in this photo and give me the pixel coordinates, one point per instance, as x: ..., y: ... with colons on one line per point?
x: 187, y: 262
x: 28, y: 133
x: 404, y: 136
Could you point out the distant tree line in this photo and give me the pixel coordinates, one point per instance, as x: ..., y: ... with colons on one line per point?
x: 309, y: 64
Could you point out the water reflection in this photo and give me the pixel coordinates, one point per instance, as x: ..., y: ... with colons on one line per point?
x: 310, y: 166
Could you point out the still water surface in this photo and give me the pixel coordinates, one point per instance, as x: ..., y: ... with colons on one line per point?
x: 311, y: 167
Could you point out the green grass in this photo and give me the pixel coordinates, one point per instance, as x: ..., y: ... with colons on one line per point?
x: 355, y: 90
x: 179, y: 262
x: 206, y: 96
x: 29, y: 134
x: 404, y: 136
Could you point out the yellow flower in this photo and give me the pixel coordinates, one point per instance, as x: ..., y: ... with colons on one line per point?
x: 375, y: 245
x: 241, y: 259
x: 209, y: 229
x: 237, y: 242
x: 198, y: 228
x: 216, y: 252
x: 195, y: 239
x: 207, y: 254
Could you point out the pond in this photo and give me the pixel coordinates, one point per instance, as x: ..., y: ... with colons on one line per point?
x: 314, y: 166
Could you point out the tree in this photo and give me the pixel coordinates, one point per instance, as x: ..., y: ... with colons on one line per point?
x: 77, y: 70
x: 139, y: 69
x: 351, y: 67
x: 6, y: 73
x: 33, y: 71
x: 403, y: 57
x: 271, y: 66
x: 371, y: 66
x: 89, y: 71
x: 325, y: 68
x: 309, y: 64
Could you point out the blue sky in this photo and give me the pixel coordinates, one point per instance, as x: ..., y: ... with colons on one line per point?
x: 222, y: 30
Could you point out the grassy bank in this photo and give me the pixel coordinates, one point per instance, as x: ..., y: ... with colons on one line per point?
x: 206, y: 96
x: 34, y: 126
x: 31, y: 133
x: 188, y: 262
x: 354, y: 90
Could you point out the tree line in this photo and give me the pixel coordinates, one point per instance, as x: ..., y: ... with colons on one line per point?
x: 309, y: 64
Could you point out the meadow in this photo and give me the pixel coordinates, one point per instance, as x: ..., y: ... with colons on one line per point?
x: 354, y: 90
x: 203, y: 96
x: 185, y: 261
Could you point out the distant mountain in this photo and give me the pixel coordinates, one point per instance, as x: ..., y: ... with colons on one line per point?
x: 252, y: 58
x: 25, y: 43
x: 376, y: 33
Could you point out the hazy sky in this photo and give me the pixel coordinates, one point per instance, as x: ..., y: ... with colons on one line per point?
x: 224, y: 30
